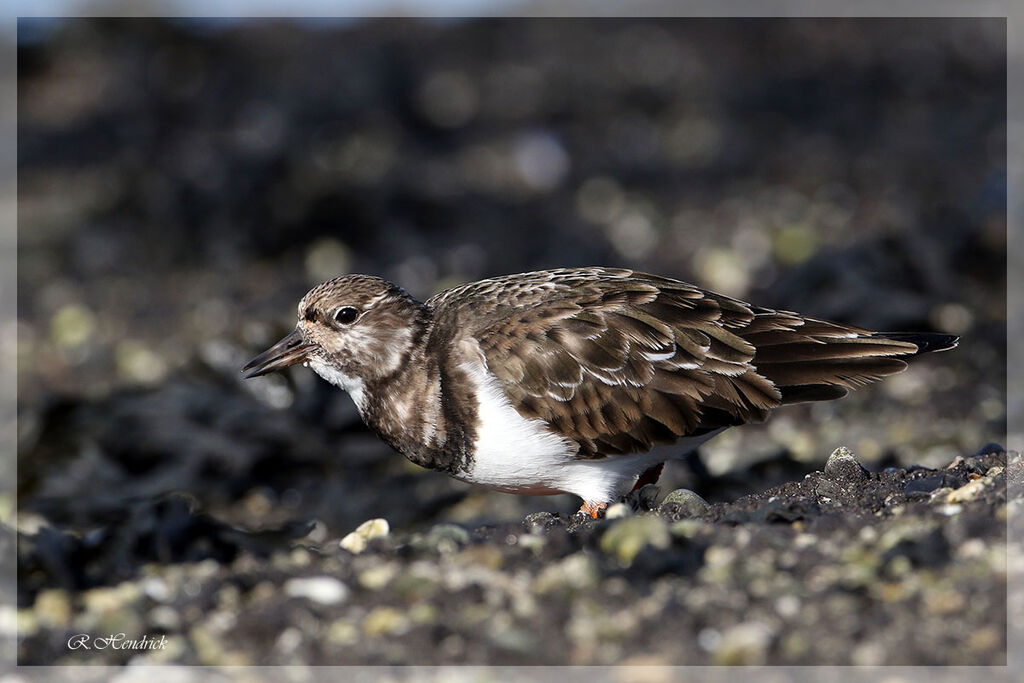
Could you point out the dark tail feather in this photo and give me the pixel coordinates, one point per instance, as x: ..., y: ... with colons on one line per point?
x: 926, y: 342
x: 805, y: 371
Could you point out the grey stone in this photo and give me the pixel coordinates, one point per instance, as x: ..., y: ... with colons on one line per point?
x: 686, y: 502
x: 842, y: 464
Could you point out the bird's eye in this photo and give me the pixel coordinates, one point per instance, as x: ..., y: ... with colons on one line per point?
x: 346, y: 315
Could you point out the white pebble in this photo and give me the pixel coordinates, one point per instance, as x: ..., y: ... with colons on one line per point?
x: 325, y: 590
x: 618, y: 510
x: 356, y: 541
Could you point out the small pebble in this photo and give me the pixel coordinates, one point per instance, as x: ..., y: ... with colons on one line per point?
x: 156, y: 589
x: 687, y: 502
x: 376, y: 578
x: 743, y: 644
x: 165, y: 617
x: 385, y: 621
x: 442, y: 538
x: 356, y: 541
x: 968, y: 491
x: 843, y: 465
x: 629, y: 536
x: 53, y: 607
x: 532, y: 542
x: 617, y: 511
x: 940, y: 494
x: 539, y: 522
x: 325, y: 590
x: 576, y: 572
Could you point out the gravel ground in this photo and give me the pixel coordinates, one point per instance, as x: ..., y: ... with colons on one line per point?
x: 181, y: 184
x: 903, y: 566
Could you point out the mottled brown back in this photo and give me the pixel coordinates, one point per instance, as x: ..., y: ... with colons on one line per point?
x: 620, y: 361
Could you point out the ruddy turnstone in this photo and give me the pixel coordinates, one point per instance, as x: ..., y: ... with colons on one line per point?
x: 565, y: 381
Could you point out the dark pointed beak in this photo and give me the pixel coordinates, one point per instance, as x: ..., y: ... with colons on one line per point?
x: 291, y: 350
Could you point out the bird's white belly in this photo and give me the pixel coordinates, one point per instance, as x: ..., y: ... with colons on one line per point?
x: 512, y: 453
x: 520, y: 455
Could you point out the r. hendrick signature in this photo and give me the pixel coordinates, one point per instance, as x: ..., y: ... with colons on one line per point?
x: 115, y: 641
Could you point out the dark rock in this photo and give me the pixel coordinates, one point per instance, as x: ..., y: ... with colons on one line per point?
x: 826, y: 488
x: 775, y: 510
x: 931, y: 549
x: 789, y: 511
x: 918, y: 489
x: 539, y: 522
x: 644, y: 499
x: 166, y: 531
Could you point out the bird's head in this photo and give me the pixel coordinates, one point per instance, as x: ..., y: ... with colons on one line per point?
x: 351, y: 329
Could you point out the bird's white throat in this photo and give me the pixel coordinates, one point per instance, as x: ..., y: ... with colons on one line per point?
x: 352, y: 385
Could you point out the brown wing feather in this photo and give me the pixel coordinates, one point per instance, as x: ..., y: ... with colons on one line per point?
x: 620, y: 361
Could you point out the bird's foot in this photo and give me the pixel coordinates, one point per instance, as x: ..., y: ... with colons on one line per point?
x: 592, y: 509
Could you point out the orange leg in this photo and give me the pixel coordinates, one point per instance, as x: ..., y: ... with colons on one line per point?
x: 592, y: 509
x: 649, y: 476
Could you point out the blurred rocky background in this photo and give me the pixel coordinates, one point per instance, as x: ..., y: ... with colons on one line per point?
x: 181, y: 183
